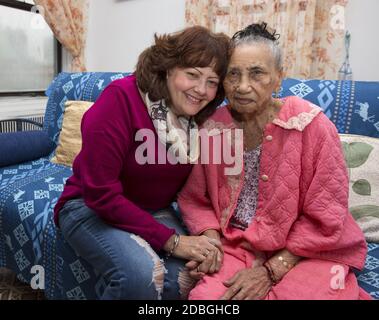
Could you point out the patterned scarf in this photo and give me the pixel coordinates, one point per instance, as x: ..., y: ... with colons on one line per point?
x: 179, y: 134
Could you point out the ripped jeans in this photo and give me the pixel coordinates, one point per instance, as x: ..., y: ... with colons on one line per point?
x: 130, y: 267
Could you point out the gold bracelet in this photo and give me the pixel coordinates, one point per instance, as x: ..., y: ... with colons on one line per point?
x: 175, y: 245
x: 271, y: 275
x: 285, y: 263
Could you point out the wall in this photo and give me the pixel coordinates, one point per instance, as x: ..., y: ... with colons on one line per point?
x: 120, y: 29
x: 363, y: 23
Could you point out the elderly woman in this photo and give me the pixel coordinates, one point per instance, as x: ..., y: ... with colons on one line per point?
x: 283, y: 219
x: 110, y: 211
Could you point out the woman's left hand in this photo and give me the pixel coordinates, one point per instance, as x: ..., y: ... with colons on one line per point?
x: 248, y: 284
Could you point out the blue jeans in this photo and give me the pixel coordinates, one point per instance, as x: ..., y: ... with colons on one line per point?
x: 131, y: 268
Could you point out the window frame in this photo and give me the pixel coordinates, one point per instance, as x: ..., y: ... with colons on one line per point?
x: 57, y: 50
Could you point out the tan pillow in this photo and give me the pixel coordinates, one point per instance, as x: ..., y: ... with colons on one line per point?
x: 70, y: 138
x: 362, y: 159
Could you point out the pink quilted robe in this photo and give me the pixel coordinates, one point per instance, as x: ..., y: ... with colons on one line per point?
x: 302, y: 206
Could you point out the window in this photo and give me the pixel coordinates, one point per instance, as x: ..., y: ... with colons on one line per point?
x: 30, y: 56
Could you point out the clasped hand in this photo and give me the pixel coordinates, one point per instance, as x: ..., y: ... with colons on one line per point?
x: 200, y: 251
x: 213, y: 258
x: 211, y: 264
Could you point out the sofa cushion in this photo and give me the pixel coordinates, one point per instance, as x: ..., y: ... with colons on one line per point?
x: 85, y: 86
x: 70, y: 139
x: 18, y: 147
x: 28, y: 236
x: 368, y: 278
x: 362, y: 158
x: 351, y: 105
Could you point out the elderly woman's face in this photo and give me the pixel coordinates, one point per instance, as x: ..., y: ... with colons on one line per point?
x: 191, y: 89
x: 251, y: 78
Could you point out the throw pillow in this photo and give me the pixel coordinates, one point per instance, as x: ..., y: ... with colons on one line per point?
x: 18, y: 147
x: 362, y: 158
x: 70, y: 138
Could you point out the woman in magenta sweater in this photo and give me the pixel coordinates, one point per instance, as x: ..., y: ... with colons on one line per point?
x: 137, y: 152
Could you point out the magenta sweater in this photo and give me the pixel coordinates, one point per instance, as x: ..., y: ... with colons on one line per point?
x: 106, y: 174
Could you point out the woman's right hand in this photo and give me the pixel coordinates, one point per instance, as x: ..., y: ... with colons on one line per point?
x: 195, y: 248
x: 213, y: 261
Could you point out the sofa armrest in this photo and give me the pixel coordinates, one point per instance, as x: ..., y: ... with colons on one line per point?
x: 18, y: 147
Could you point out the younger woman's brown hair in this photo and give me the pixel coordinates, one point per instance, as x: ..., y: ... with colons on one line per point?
x: 193, y: 47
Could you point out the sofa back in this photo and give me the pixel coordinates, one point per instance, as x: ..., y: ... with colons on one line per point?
x: 353, y: 106
x: 85, y: 86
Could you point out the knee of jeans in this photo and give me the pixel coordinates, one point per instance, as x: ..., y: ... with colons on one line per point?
x: 138, y: 285
x: 120, y: 285
x: 159, y: 270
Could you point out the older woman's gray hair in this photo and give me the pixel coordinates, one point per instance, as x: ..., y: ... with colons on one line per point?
x: 260, y: 33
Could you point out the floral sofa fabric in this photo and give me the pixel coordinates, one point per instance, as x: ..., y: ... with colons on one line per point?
x: 29, y: 191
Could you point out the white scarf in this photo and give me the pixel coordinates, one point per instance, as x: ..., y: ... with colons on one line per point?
x: 179, y: 134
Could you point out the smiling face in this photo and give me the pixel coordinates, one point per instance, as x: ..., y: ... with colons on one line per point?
x: 251, y: 79
x: 191, y: 89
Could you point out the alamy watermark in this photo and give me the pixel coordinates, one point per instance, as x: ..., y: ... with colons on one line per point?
x: 38, y: 20
x: 38, y: 280
x: 337, y: 282
x: 213, y: 147
x: 337, y: 19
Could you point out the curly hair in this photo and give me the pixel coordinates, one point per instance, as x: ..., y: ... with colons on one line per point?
x: 259, y: 33
x: 259, y: 30
x: 192, y: 47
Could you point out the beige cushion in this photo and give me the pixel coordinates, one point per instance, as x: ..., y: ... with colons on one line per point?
x: 70, y: 138
x: 362, y: 159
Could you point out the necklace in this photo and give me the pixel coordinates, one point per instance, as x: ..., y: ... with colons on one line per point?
x: 254, y: 128
x: 252, y: 141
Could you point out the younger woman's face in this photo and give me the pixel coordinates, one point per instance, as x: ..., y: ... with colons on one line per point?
x: 191, y: 89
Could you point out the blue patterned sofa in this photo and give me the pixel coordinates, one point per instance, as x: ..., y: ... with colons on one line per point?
x: 29, y: 191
